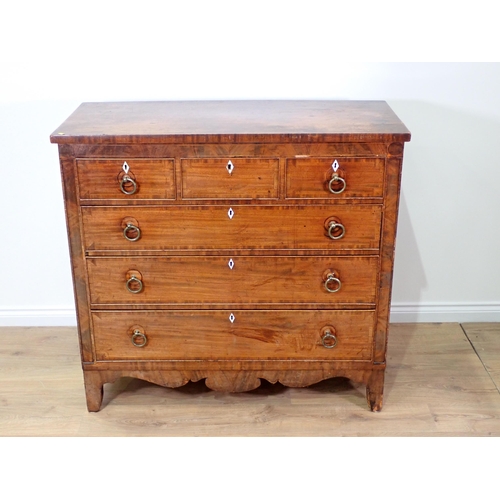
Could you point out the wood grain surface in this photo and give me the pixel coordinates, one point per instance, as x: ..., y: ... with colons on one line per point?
x: 247, y: 178
x: 210, y: 335
x: 484, y: 338
x: 310, y: 177
x: 231, y: 121
x: 100, y: 179
x: 211, y: 227
x: 222, y: 281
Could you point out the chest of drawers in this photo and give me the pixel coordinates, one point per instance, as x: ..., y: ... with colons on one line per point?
x: 232, y: 241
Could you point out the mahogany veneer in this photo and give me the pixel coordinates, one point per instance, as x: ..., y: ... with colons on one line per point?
x: 232, y: 240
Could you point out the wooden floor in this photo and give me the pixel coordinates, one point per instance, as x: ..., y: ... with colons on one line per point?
x: 441, y: 380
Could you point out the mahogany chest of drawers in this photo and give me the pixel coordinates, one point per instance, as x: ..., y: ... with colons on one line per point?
x: 232, y: 241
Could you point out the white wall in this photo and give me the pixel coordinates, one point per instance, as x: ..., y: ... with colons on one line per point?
x: 55, y: 56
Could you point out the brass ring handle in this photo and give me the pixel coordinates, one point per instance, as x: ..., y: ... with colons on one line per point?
x: 126, y: 179
x: 143, y: 340
x: 330, y: 280
x: 131, y: 227
x: 335, y: 225
x: 336, y: 178
x: 328, y: 336
x: 134, y: 279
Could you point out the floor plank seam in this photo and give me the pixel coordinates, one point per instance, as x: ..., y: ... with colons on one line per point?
x: 480, y: 359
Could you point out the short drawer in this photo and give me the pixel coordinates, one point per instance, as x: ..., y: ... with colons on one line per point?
x: 226, y: 178
x: 130, y: 179
x: 233, y: 334
x: 352, y: 178
x: 223, y: 281
x: 177, y: 227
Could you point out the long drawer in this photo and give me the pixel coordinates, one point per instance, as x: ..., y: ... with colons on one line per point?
x: 292, y: 227
x: 221, y: 281
x: 243, y: 335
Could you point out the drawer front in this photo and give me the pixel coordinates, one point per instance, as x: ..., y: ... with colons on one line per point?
x: 224, y: 281
x: 243, y: 335
x: 236, y: 179
x: 313, y: 178
x: 238, y: 227
x: 107, y: 179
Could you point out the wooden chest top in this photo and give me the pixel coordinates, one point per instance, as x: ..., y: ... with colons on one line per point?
x: 231, y: 122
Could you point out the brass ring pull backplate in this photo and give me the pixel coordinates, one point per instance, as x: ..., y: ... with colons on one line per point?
x: 134, y: 281
x: 332, y: 284
x: 335, y: 180
x: 329, y: 340
x: 334, y: 226
x: 139, y: 339
x: 128, y: 180
x: 129, y: 228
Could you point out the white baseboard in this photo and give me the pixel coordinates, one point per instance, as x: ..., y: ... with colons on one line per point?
x: 38, y: 317
x: 400, y: 313
x: 445, y: 313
